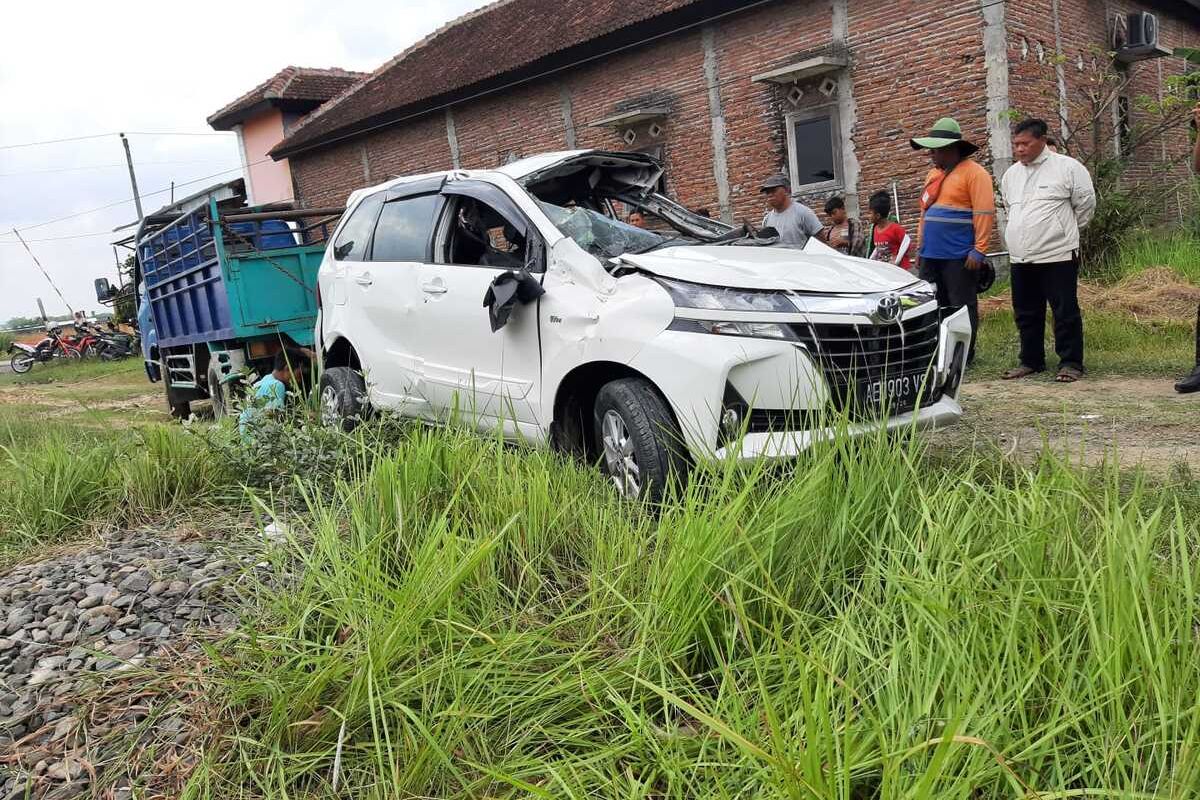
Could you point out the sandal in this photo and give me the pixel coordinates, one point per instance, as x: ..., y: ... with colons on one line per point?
x: 1068, y: 375
x: 1021, y: 371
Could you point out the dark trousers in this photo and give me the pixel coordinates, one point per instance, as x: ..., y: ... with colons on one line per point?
x: 957, y: 287
x: 1033, y: 287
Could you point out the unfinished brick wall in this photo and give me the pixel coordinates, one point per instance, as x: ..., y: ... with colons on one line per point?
x: 1082, y: 36
x: 912, y: 62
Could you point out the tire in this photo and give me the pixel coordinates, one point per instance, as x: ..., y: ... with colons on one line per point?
x: 21, y: 363
x: 343, y: 398
x: 641, y: 446
x: 217, y: 391
x: 89, y: 351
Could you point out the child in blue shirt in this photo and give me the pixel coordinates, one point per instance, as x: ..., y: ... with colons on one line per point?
x: 270, y: 393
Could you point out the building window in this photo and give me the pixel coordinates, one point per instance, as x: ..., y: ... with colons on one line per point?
x: 814, y: 150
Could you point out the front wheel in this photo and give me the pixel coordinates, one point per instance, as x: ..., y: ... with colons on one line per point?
x: 641, y: 444
x: 21, y: 363
x: 343, y: 398
x: 220, y: 393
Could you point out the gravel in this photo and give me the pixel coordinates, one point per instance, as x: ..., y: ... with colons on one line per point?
x: 74, y: 619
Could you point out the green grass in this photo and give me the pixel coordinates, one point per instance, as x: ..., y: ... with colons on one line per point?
x: 1175, y: 250
x: 1114, y: 344
x: 58, y: 484
x: 465, y: 619
x: 62, y: 370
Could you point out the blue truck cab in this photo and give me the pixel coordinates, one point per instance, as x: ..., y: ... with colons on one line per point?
x: 222, y: 287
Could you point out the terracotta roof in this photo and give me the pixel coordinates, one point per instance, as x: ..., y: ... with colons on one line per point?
x: 300, y: 87
x: 500, y: 39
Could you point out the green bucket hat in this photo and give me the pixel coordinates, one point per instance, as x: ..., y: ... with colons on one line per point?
x: 946, y: 132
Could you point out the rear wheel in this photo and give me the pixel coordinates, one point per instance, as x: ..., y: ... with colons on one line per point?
x: 21, y: 363
x: 343, y: 398
x: 641, y: 444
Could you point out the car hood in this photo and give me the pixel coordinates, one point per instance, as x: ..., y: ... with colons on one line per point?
x: 783, y: 268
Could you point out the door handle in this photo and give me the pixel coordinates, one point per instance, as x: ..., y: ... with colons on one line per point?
x: 364, y: 279
x: 435, y: 286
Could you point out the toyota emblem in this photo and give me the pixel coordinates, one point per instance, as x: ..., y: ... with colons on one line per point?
x: 888, y: 309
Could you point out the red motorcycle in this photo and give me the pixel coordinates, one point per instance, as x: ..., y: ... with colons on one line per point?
x: 54, y: 345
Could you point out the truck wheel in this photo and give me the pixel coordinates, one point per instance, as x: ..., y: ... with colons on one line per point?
x: 343, y: 398
x: 641, y: 444
x: 221, y: 393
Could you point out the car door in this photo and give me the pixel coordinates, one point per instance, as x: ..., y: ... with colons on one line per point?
x: 389, y: 300
x: 468, y: 369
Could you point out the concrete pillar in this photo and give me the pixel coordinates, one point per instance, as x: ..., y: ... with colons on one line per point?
x: 847, y: 109
x: 568, y: 116
x: 995, y: 57
x: 717, y: 117
x: 452, y: 139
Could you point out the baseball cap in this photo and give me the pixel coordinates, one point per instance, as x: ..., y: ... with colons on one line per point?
x: 775, y: 181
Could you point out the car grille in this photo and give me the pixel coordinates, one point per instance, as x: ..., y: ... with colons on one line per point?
x: 854, y: 355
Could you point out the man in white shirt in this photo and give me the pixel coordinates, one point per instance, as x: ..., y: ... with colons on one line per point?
x: 1049, y: 197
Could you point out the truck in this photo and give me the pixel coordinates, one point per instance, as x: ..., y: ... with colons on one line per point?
x: 223, y: 286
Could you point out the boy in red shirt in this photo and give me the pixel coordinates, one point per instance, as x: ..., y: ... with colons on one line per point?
x: 889, y: 241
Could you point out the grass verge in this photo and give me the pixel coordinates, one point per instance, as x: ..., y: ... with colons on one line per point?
x: 1114, y: 344
x: 470, y: 620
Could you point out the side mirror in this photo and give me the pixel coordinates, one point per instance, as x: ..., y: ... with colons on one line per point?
x: 104, y: 291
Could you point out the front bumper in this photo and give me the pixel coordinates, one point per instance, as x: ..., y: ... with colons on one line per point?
x: 696, y: 372
x: 789, y: 444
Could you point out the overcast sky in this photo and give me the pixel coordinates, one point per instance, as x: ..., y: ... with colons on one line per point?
x: 83, y: 68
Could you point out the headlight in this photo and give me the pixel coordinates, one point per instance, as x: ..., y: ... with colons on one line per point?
x: 721, y: 298
x: 756, y: 330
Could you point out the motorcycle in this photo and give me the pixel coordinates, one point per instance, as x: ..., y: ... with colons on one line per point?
x: 113, y: 344
x: 54, y: 345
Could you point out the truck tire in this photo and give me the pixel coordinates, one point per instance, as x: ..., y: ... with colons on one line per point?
x: 641, y: 446
x: 343, y: 398
x: 179, y: 407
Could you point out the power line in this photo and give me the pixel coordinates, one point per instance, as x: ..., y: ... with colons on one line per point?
x: 114, y: 133
x: 130, y: 199
x: 105, y: 166
x: 55, y: 141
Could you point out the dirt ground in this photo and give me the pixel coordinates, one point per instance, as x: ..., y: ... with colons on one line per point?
x: 1142, y: 420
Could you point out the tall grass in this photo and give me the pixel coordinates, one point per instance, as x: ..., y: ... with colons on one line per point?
x: 470, y: 620
x: 1176, y: 250
x: 53, y: 486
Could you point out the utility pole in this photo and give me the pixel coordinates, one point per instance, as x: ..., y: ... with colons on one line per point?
x: 137, y: 200
x: 42, y: 309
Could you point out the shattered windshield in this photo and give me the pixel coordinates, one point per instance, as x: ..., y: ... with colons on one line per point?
x: 603, y: 237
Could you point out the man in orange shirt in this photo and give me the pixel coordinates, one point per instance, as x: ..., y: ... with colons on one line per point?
x: 958, y: 212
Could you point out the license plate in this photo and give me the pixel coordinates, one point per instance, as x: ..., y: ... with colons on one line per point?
x: 893, y: 393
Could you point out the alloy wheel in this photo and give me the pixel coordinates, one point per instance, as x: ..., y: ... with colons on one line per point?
x: 619, y: 456
x: 330, y: 414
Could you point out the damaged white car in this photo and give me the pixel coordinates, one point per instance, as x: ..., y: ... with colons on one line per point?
x: 516, y: 297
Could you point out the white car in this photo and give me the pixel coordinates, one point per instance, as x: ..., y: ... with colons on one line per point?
x: 516, y: 298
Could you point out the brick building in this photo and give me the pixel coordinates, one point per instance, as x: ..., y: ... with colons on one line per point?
x: 265, y: 114
x: 729, y: 92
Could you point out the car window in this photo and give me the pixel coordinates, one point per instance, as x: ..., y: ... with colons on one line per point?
x: 351, y: 242
x: 404, y: 229
x: 479, y: 235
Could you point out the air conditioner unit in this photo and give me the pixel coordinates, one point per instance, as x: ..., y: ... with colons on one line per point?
x: 1141, y: 30
x: 1135, y: 37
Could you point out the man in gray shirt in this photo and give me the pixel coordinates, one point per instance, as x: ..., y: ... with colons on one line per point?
x: 795, y: 222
